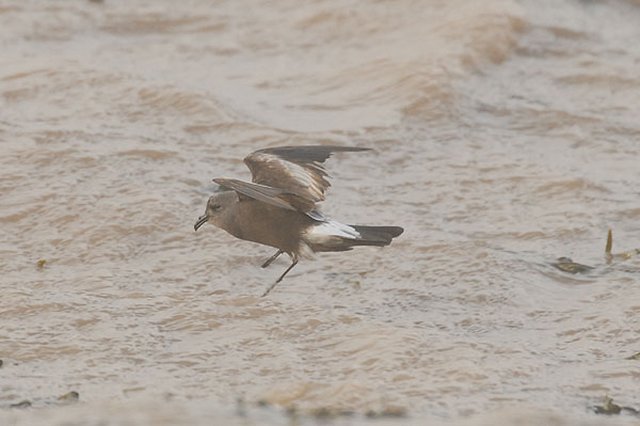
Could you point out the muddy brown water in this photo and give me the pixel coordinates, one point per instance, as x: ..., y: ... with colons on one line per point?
x: 506, y: 134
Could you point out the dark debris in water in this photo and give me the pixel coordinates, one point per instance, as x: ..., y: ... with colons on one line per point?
x: 611, y: 408
x: 634, y: 357
x: 565, y: 264
x: 617, y: 256
x: 387, y: 412
x: 40, y: 264
x: 241, y: 408
x: 69, y: 397
x: 330, y: 413
x: 22, y: 404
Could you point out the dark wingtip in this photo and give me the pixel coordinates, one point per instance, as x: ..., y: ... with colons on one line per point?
x: 350, y: 148
x: 339, y: 148
x: 307, y: 153
x: 396, y: 231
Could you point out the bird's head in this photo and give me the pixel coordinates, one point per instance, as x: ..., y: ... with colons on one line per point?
x: 216, y: 207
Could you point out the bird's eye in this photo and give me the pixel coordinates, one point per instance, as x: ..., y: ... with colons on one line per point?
x: 216, y: 208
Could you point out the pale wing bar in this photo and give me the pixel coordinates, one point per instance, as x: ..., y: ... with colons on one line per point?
x: 296, y: 169
x: 262, y: 193
x: 309, y: 182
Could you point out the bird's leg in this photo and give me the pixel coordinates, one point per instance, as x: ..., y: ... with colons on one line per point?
x: 270, y: 260
x: 293, y: 263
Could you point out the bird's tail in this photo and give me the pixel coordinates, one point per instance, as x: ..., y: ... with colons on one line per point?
x: 335, y: 236
x: 375, y: 235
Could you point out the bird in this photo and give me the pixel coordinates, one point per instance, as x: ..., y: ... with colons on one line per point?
x: 279, y: 208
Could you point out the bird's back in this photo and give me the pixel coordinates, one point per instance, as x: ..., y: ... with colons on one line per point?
x: 262, y: 223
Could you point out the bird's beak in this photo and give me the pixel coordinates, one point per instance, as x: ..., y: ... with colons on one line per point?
x: 201, y: 221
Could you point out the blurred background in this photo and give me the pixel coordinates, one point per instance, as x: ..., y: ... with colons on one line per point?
x: 505, y: 135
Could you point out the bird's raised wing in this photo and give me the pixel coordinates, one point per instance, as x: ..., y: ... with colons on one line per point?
x: 296, y: 170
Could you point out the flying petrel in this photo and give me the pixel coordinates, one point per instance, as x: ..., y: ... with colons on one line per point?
x: 280, y: 207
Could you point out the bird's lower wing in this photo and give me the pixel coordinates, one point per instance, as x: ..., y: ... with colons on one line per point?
x: 265, y: 194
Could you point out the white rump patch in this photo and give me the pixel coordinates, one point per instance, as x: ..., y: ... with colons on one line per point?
x: 319, y: 233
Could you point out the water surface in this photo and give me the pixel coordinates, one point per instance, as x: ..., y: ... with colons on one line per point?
x: 505, y: 135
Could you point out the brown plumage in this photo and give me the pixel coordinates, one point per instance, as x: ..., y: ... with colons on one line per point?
x: 279, y: 208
